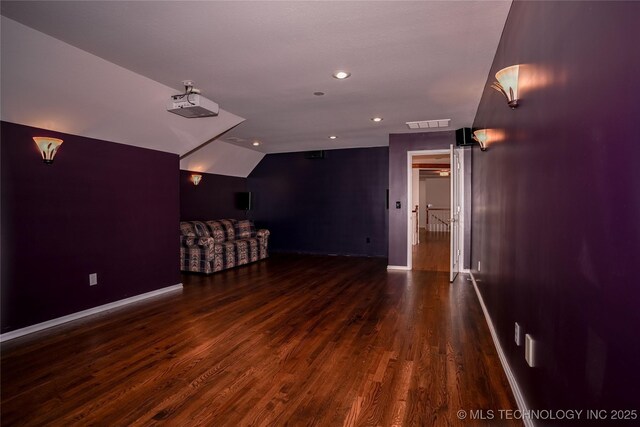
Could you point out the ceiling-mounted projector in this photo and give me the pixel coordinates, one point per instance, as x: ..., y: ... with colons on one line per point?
x: 191, y: 104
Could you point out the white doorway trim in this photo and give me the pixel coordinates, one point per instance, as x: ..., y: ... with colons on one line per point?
x: 462, y: 222
x: 410, y: 155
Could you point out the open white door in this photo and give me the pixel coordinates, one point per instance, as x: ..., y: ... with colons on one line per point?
x: 455, y: 214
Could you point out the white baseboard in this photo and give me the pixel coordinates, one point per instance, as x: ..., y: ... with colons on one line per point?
x: 405, y: 268
x: 398, y: 267
x: 80, y: 314
x: 517, y: 393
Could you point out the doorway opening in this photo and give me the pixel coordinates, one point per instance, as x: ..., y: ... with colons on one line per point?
x: 434, y: 207
x: 431, y: 206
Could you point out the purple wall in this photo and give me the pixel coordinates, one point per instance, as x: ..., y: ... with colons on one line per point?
x: 556, y: 204
x: 101, y: 208
x: 327, y: 206
x: 213, y: 198
x: 399, y: 145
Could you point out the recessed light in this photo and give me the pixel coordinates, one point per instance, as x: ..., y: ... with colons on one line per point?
x: 376, y: 119
x: 318, y: 93
x: 256, y: 143
x: 333, y: 137
x: 341, y: 75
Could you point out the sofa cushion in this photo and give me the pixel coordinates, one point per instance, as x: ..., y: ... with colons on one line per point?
x: 245, y: 229
x: 247, y: 250
x: 222, y: 230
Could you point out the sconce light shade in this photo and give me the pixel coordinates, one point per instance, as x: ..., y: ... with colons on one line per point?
x: 481, y: 136
x: 48, y: 147
x: 196, y: 179
x: 508, y: 84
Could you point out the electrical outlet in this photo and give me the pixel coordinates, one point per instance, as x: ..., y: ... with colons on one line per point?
x: 398, y: 205
x: 478, y: 265
x: 518, y: 334
x: 93, y: 279
x: 530, y: 350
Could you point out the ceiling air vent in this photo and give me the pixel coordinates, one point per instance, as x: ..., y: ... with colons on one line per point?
x: 429, y: 124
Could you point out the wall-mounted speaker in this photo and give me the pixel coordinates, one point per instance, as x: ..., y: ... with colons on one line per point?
x: 243, y: 201
x: 463, y: 137
x: 318, y: 154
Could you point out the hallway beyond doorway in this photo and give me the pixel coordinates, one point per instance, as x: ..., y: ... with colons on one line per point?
x: 432, y: 253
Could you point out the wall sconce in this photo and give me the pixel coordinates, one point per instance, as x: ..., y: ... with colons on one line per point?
x: 196, y: 179
x: 508, y: 84
x: 481, y: 136
x: 48, y: 147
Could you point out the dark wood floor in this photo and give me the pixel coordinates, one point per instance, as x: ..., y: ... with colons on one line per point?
x: 292, y: 340
x: 432, y: 253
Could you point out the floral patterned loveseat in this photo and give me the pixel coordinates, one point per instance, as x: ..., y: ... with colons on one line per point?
x: 210, y: 246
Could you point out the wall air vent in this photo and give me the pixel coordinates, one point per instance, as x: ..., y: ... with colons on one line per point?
x: 429, y: 124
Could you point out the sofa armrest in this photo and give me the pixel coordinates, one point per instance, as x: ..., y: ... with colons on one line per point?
x: 263, y: 238
x: 262, y: 233
x: 199, y: 248
x: 187, y: 241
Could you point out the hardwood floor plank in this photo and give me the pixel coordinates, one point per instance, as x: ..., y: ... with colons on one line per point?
x: 293, y: 340
x: 432, y: 253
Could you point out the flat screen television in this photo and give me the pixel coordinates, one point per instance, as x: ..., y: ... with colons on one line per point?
x: 243, y: 201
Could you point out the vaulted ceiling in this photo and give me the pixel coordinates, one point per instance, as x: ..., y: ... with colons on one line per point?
x: 106, y: 69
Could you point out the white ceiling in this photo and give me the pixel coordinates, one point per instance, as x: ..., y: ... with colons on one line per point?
x: 222, y: 158
x: 262, y: 61
x: 51, y: 85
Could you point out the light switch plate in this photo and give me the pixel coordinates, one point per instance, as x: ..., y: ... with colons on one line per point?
x: 530, y: 350
x: 518, y: 334
x: 93, y: 279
